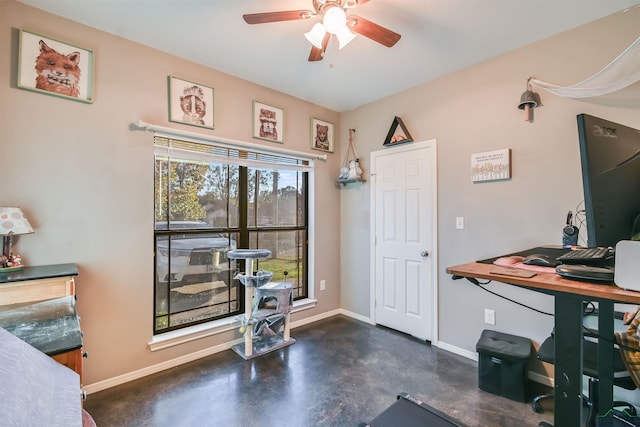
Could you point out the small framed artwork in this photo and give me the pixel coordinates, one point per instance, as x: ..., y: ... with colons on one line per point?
x: 321, y: 135
x: 268, y: 122
x: 53, y: 67
x: 398, y: 133
x: 491, y: 165
x: 190, y: 103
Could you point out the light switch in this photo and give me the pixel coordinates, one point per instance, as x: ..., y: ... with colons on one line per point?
x: 459, y: 223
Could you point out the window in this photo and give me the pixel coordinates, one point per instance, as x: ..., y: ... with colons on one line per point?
x: 209, y: 200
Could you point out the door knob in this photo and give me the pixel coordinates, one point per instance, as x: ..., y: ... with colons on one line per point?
x: 424, y: 253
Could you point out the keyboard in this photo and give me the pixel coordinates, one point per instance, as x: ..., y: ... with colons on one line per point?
x: 586, y: 255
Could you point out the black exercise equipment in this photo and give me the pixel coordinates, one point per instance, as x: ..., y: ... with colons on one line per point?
x: 408, y: 411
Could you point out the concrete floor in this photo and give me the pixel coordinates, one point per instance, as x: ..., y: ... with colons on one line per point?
x: 339, y: 372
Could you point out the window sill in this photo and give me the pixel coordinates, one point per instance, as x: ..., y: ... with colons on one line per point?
x: 192, y: 333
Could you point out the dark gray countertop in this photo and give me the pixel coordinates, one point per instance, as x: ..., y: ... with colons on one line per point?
x: 51, y: 326
x: 39, y: 272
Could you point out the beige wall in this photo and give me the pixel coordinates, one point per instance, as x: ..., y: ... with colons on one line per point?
x: 474, y: 111
x: 85, y: 180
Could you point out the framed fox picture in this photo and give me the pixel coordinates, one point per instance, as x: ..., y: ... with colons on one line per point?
x: 53, y: 67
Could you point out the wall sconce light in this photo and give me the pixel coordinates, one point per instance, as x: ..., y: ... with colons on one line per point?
x: 528, y: 101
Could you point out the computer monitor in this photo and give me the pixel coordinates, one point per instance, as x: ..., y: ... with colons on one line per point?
x: 610, y: 157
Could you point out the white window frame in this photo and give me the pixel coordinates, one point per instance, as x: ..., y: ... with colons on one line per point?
x: 195, y: 332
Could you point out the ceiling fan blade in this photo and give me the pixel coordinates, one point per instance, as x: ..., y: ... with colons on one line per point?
x: 289, y: 15
x: 373, y: 31
x: 317, y: 54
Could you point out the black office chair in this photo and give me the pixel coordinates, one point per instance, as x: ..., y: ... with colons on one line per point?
x: 590, y: 354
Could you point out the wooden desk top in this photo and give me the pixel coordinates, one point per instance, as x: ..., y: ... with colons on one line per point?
x: 551, y: 282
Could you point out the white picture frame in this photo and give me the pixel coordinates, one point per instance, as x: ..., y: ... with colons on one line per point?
x: 191, y: 103
x: 268, y: 122
x: 491, y: 165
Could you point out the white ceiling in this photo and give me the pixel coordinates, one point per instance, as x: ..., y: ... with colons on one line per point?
x: 438, y: 37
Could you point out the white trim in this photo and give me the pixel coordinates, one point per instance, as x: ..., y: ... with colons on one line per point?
x: 363, y: 319
x: 456, y: 350
x: 192, y: 333
x: 206, y: 139
x: 140, y: 373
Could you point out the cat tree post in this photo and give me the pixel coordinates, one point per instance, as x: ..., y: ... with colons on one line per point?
x: 248, y: 309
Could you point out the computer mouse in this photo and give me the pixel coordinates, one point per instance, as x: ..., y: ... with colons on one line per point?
x: 541, y: 260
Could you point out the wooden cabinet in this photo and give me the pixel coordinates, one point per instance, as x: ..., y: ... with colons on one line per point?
x: 37, y: 304
x: 72, y: 360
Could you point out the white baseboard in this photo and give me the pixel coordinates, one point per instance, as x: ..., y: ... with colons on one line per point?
x: 457, y: 350
x: 356, y: 316
x: 130, y: 376
x: 312, y: 319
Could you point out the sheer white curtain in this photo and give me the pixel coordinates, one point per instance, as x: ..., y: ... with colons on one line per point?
x: 618, y: 74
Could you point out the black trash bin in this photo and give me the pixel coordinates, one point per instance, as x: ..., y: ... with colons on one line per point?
x: 502, y: 365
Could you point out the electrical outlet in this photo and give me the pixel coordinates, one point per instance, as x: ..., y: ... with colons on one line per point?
x: 459, y: 223
x: 489, y: 316
x: 323, y: 285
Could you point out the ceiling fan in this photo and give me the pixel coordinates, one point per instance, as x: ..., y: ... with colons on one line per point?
x: 335, y: 21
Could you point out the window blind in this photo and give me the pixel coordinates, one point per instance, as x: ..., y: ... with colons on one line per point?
x: 204, y: 153
x: 191, y: 146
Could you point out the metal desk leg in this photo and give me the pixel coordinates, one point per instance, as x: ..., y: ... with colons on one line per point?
x: 605, y: 357
x: 568, y: 361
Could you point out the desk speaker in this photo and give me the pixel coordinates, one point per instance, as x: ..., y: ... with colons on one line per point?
x: 627, y: 269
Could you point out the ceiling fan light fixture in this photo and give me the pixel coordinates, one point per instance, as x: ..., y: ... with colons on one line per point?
x: 344, y: 36
x: 316, y: 35
x: 334, y: 19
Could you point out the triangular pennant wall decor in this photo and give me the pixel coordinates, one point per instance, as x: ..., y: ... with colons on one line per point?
x: 398, y: 133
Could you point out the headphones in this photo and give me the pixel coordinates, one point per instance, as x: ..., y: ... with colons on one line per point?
x: 570, y: 232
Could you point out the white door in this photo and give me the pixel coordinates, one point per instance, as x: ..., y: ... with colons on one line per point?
x: 404, y: 261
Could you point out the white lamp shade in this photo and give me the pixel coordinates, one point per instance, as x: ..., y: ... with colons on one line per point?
x: 13, y: 222
x: 316, y: 35
x: 334, y: 19
x: 344, y: 36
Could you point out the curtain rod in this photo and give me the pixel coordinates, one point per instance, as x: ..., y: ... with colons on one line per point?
x: 198, y: 137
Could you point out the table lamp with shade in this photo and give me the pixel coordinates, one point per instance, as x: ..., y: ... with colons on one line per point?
x: 12, y: 223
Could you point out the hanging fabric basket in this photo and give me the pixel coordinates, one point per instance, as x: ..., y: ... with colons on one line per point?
x: 350, y: 170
